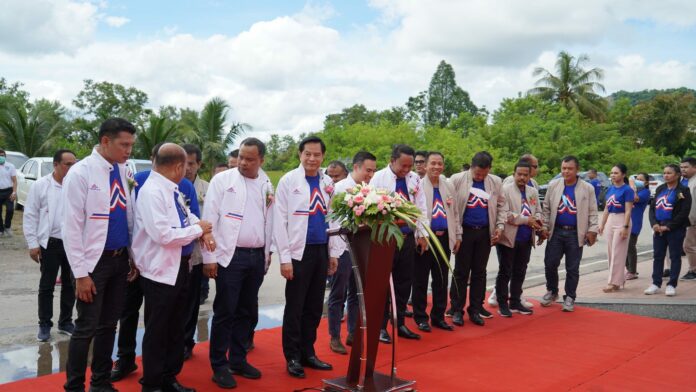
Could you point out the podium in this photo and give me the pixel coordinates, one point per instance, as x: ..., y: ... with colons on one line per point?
x: 372, y: 265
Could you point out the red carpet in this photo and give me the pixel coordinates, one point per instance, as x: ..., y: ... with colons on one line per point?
x: 589, y: 350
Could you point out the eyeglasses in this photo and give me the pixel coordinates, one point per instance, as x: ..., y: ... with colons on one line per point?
x: 420, y: 162
x: 534, y: 166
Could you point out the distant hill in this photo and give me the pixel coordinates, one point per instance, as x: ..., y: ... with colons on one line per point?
x: 641, y: 96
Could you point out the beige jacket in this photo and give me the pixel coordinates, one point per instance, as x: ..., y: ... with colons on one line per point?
x: 692, y: 212
x: 454, y: 227
x: 509, y: 216
x: 511, y: 180
x: 201, y: 187
x: 586, y: 204
x: 462, y: 187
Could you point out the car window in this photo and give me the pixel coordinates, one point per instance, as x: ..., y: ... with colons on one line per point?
x: 46, y: 168
x: 16, y: 160
x: 26, y: 169
x: 142, y: 166
x: 34, y: 170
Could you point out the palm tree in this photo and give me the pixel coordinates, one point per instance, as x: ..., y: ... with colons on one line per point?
x: 29, y: 132
x: 211, y: 134
x: 159, y: 130
x: 574, y: 87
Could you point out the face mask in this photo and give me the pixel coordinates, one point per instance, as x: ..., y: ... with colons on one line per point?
x: 639, y: 184
x: 2, y: 160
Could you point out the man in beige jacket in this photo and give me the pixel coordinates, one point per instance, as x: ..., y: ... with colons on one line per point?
x: 477, y: 197
x: 570, y: 222
x: 518, y: 219
x: 688, y: 172
x: 444, y: 222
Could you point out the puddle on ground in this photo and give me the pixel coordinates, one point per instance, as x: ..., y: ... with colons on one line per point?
x: 41, y: 359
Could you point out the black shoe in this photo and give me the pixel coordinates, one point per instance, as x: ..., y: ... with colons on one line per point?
x: 188, y: 353
x: 316, y: 363
x: 442, y: 325
x: 449, y: 312
x: 485, y: 314
x: 504, y: 310
x: 246, y: 370
x: 406, y: 333
x: 224, y: 379
x: 295, y: 369
x: 151, y: 389
x: 691, y: 275
x: 408, y: 313
x: 102, y: 388
x: 521, y: 309
x: 476, y: 319
x: 176, y: 387
x: 424, y: 327
x: 384, y: 336
x: 458, y: 319
x: 666, y: 273
x: 122, y: 369
x: 349, y: 339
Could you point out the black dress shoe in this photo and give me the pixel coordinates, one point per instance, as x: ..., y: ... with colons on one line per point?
x: 316, y: 363
x: 224, y: 379
x: 384, y: 336
x: 476, y: 319
x: 246, y: 370
x: 458, y: 319
x: 295, y: 369
x: 188, y: 352
x: 424, y: 327
x: 406, y: 333
x: 349, y: 339
x: 176, y: 387
x: 122, y: 369
x: 102, y: 388
x: 442, y: 325
x: 408, y: 313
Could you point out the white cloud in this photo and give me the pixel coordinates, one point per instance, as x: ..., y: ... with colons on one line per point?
x: 116, y: 21
x: 45, y: 26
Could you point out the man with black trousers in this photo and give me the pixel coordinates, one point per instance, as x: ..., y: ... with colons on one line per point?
x: 299, y: 232
x: 478, y: 196
x: 163, y: 227
x: 96, y: 235
x: 239, y: 204
x: 397, y: 177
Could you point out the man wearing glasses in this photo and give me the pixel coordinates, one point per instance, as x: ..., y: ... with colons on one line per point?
x: 419, y: 163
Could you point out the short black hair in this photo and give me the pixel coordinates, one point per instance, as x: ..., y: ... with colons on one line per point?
x: 339, y: 164
x: 2, y: 151
x: 674, y: 167
x: 427, y: 156
x: 221, y: 165
x: 422, y: 153
x: 690, y: 160
x: 235, y: 153
x: 573, y: 158
x: 251, y: 141
x: 402, y: 149
x: 58, y: 156
x: 523, y: 163
x: 169, y: 158
x: 113, y: 126
x: 362, y: 156
x: 592, y: 169
x: 156, y: 148
x: 482, y: 159
x: 192, y: 149
x: 312, y: 139
x: 466, y: 166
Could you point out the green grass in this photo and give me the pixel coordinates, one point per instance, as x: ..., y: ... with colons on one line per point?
x: 275, y: 177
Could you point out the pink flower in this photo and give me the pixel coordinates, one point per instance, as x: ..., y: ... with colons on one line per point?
x: 449, y: 201
x: 384, y: 212
x: 365, y: 191
x: 358, y: 199
x: 380, y: 206
x: 350, y: 203
x: 358, y: 210
x: 350, y: 190
x: 329, y: 189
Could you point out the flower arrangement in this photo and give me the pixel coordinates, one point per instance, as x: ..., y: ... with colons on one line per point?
x: 383, y: 212
x: 270, y: 198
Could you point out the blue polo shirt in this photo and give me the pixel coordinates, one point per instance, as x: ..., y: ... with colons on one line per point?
x: 664, y: 204
x: 524, y: 232
x: 567, y: 208
x: 188, y: 193
x: 476, y: 213
x: 117, y: 234
x: 597, y: 184
x: 438, y: 220
x: 684, y: 182
x: 617, y: 198
x: 317, y: 225
x: 638, y: 210
x: 402, y: 189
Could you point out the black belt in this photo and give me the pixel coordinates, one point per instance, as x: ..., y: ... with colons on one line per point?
x: 55, y: 241
x: 440, y: 233
x: 115, y: 252
x: 564, y: 227
x: 476, y: 227
x: 250, y: 250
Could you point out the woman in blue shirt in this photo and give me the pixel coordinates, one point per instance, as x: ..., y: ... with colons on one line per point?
x: 616, y: 224
x: 640, y: 202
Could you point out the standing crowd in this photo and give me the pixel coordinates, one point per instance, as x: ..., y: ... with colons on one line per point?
x: 156, y: 237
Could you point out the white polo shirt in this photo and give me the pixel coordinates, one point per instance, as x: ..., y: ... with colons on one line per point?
x: 7, y: 171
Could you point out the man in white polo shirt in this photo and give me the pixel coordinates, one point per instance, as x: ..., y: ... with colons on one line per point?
x: 163, y: 226
x: 42, y: 225
x: 8, y: 193
x: 239, y: 205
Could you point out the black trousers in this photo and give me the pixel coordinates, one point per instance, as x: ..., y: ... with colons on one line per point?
x: 402, y: 275
x: 9, y: 208
x: 53, y: 258
x: 471, y: 261
x: 512, y: 270
x: 429, y: 265
x: 236, y: 301
x: 96, y: 322
x: 128, y: 323
x: 193, y: 305
x: 632, y: 256
x: 163, y: 343
x: 304, y: 302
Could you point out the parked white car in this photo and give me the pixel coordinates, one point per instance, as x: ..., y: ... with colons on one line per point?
x: 138, y: 165
x: 28, y: 173
x: 17, y: 159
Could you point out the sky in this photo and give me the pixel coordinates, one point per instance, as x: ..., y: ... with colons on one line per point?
x: 284, y: 65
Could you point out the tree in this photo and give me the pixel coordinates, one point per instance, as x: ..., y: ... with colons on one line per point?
x: 665, y: 123
x: 281, y: 153
x: 159, y: 130
x: 12, y: 94
x: 445, y: 98
x: 573, y: 86
x: 30, y: 132
x: 103, y: 100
